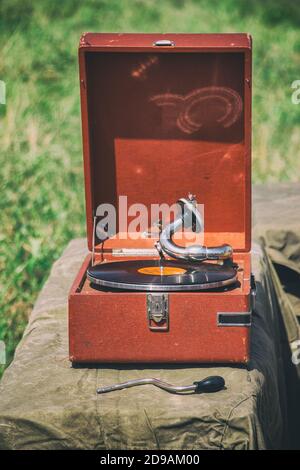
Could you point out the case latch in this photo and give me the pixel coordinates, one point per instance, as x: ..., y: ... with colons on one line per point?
x: 164, y: 43
x: 158, y: 312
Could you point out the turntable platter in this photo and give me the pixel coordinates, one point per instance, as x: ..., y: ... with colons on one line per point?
x: 161, y: 275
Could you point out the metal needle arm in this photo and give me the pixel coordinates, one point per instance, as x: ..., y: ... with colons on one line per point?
x: 189, y: 217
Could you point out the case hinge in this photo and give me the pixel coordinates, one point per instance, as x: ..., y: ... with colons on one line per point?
x: 158, y: 312
x: 253, y: 293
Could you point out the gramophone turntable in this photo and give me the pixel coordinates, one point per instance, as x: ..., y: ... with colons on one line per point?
x: 164, y: 117
x: 185, y: 271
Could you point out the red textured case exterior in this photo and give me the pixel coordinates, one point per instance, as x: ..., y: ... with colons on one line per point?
x: 144, y: 137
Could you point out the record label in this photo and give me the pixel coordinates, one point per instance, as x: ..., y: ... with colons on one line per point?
x: 162, y: 271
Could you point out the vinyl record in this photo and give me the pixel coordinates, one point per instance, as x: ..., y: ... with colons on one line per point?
x: 165, y: 275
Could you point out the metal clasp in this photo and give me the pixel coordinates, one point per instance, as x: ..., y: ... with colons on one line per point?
x: 158, y: 312
x: 164, y: 43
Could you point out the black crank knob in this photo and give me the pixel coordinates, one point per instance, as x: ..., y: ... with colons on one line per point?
x: 211, y: 384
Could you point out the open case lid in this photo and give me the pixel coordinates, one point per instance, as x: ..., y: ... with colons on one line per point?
x: 165, y: 115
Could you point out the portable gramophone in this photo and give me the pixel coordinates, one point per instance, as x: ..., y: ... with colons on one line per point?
x: 164, y: 118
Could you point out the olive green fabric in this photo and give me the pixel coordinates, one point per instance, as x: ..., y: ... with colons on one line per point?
x: 283, y: 249
x: 47, y: 404
x: 277, y: 226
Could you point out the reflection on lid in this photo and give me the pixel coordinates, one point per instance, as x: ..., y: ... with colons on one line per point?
x: 140, y: 72
x: 220, y: 104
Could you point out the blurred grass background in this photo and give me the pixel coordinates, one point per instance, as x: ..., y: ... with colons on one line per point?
x: 42, y: 200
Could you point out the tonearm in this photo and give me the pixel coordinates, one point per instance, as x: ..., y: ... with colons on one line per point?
x: 189, y: 217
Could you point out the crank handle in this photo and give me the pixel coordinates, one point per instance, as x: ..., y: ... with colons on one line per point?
x: 211, y: 384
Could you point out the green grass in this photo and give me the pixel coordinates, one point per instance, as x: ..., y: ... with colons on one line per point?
x: 42, y: 202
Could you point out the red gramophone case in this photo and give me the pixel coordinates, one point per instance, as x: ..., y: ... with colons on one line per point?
x: 162, y: 116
